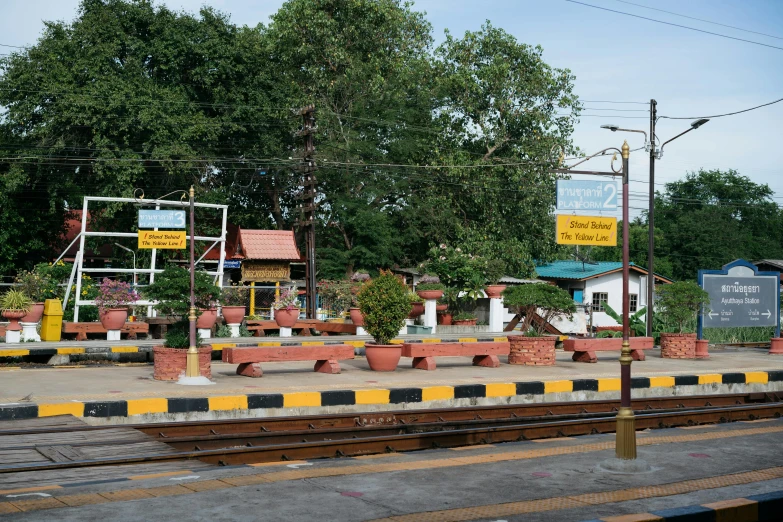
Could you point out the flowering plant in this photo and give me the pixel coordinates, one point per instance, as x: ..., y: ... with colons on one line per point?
x: 289, y: 300
x: 32, y: 284
x: 234, y: 295
x: 115, y: 294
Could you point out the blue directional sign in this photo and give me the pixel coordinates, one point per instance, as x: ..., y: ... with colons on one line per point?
x: 231, y: 263
x: 161, y: 219
x: 573, y: 194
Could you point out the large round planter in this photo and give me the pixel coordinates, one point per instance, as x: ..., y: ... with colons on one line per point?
x: 286, y: 318
x: 13, y: 317
x: 441, y: 308
x: 35, y: 314
x: 356, y: 316
x: 429, y: 294
x: 445, y: 319
x: 776, y: 346
x: 702, y: 349
x: 114, y: 318
x: 171, y: 363
x: 416, y: 310
x: 464, y: 322
x: 383, y: 357
x: 233, y: 314
x: 494, y: 291
x: 207, y: 319
x: 532, y: 351
x: 678, y: 346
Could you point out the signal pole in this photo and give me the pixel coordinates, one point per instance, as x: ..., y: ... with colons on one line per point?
x: 651, y: 224
x: 308, y: 207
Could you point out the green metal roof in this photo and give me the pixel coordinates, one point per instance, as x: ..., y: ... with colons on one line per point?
x: 576, y: 269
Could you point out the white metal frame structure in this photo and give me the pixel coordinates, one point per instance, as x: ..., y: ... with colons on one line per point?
x: 84, y: 233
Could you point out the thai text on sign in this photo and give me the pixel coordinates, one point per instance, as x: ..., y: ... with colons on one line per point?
x: 586, y: 195
x: 586, y: 230
x: 162, y: 239
x: 263, y: 272
x: 161, y: 218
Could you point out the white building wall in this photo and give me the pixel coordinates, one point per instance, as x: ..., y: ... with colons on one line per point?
x: 612, y: 284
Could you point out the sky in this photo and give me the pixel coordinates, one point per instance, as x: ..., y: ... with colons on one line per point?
x: 616, y: 58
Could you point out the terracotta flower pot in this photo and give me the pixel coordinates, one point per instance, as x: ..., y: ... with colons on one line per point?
x: 233, y: 314
x: 114, y: 318
x: 416, y: 310
x: 494, y: 291
x: 383, y: 357
x: 702, y: 349
x: 13, y: 317
x: 170, y: 363
x: 678, y: 346
x: 776, y: 346
x: 286, y: 318
x: 207, y: 319
x: 430, y: 294
x: 445, y: 319
x: 356, y: 316
x: 464, y: 322
x: 532, y: 351
x: 441, y: 307
x: 35, y: 314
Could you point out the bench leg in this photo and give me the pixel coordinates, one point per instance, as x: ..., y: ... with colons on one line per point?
x: 489, y: 361
x: 131, y: 336
x: 424, y: 363
x: 81, y: 336
x: 250, y: 370
x: 637, y: 355
x: 327, y: 366
x: 588, y: 357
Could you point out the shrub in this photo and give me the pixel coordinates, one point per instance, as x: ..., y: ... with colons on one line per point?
x: 115, y: 294
x: 496, y: 269
x: 464, y: 316
x: 423, y: 287
x: 178, y: 336
x: 385, y: 304
x: 15, y: 300
x: 172, y: 291
x: 547, y: 300
x: 413, y: 297
x: 32, y: 284
x: 680, y: 302
x: 234, y: 295
x: 289, y: 300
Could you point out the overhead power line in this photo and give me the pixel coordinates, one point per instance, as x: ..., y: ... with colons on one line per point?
x: 722, y: 115
x: 675, y: 25
x: 699, y: 19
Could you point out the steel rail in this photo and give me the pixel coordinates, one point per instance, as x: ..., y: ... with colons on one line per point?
x: 426, y: 440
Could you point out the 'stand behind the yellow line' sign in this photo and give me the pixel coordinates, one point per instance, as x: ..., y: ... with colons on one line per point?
x: 162, y: 239
x: 586, y: 230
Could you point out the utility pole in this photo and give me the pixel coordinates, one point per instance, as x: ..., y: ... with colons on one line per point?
x: 308, y: 206
x: 651, y: 224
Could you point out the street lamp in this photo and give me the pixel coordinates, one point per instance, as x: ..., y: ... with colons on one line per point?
x: 649, y: 146
x: 135, y: 281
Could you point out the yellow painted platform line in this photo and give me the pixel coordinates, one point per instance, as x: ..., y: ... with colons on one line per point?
x: 735, y: 509
x: 501, y: 389
x: 219, y: 346
x: 605, y: 385
x: 661, y: 382
x: 500, y: 339
x: 468, y: 339
x: 68, y: 351
x: 757, y: 377
x: 28, y: 490
x: 229, y: 402
x: 270, y: 343
x: 142, y: 406
x: 558, y: 386
x: 372, y: 396
x: 299, y: 399
x: 711, y: 378
x: 65, y: 408
x: 396, y: 341
x: 124, y: 349
x: 437, y: 393
x: 312, y: 343
x: 431, y: 341
x: 355, y: 344
x: 14, y: 353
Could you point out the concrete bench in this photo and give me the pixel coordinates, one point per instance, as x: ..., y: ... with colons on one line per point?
x: 484, y: 353
x: 82, y: 329
x: 584, y: 349
x: 250, y: 358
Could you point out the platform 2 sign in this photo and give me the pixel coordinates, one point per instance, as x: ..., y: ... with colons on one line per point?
x: 576, y: 194
x: 740, y: 296
x: 162, y: 239
x: 586, y: 230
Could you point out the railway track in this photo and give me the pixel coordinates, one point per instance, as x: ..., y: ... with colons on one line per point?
x: 246, y: 441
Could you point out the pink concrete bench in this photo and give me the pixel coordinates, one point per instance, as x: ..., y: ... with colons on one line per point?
x: 250, y: 358
x: 584, y: 349
x: 484, y: 353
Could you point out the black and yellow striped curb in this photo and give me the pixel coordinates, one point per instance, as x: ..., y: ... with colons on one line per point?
x: 218, y: 347
x: 367, y: 397
x: 754, y: 508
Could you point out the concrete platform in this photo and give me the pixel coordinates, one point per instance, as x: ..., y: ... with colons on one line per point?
x: 717, y: 472
x: 130, y: 395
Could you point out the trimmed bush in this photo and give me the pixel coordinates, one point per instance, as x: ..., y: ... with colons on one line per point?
x: 385, y: 304
x: 548, y: 301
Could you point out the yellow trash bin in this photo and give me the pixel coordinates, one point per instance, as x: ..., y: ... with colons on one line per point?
x: 52, y: 323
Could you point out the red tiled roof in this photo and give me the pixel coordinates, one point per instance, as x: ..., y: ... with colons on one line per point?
x: 267, y: 244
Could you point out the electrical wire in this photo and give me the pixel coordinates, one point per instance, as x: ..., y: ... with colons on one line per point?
x: 675, y: 25
x: 721, y: 115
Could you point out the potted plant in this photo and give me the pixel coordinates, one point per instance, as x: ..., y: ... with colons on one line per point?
x: 679, y: 304
x: 233, y: 299
x: 171, y: 290
x: 464, y: 319
x: 416, y: 305
x: 540, y: 304
x: 112, y: 302
x: 286, y: 308
x: 448, y: 302
x: 33, y: 285
x: 170, y: 360
x: 15, y: 305
x: 495, y: 270
x: 358, y: 280
x: 385, y: 304
x: 430, y: 287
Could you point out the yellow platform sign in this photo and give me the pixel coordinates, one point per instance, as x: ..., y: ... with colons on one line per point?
x: 162, y: 239
x: 586, y: 230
